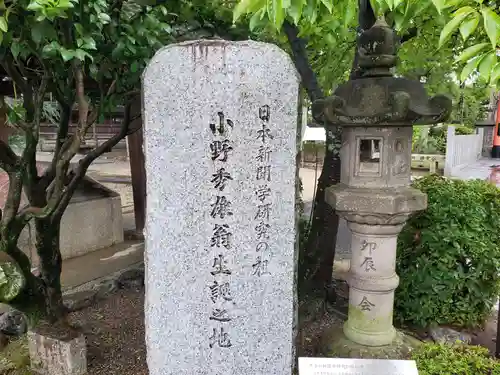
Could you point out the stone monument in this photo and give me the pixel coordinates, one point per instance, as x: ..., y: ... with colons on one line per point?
x: 220, y: 145
x: 377, y: 112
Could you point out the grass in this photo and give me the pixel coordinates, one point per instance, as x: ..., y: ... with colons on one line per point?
x: 14, y: 359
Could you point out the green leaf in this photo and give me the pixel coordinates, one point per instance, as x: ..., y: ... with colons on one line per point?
x: 311, y: 12
x: 452, y: 26
x: 66, y: 54
x: 104, y: 18
x: 247, y: 6
x: 3, y: 25
x: 486, y: 65
x: 491, y: 25
x: 295, y: 10
x: 134, y: 67
x: 256, y: 19
x: 439, y: 4
x: 469, y: 68
x: 34, y: 5
x: 495, y: 74
x: 89, y: 43
x: 51, y: 49
x: 277, y: 12
x: 328, y: 4
x: 472, y: 51
x: 398, y: 21
x: 350, y: 13
x: 12, y: 281
x: 469, y: 26
x: 463, y: 10
x: 15, y: 48
x: 80, y: 54
x: 452, y: 3
x: 79, y: 29
x: 37, y: 33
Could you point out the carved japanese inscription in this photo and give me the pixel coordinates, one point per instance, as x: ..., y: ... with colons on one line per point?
x: 220, y: 145
x: 263, y: 176
x: 221, y: 239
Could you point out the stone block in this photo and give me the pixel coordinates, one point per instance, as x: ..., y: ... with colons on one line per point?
x: 57, y: 350
x: 376, y: 201
x: 220, y: 130
x: 92, y: 221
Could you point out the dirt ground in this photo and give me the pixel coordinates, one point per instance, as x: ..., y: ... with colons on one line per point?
x: 114, y: 328
x: 115, y: 334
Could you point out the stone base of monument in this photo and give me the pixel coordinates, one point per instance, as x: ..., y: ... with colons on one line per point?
x: 57, y: 350
x: 334, y: 343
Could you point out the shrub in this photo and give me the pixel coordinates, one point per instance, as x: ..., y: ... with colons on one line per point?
x: 439, y: 359
x: 449, y: 255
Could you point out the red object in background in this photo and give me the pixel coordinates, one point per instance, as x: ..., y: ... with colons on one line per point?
x: 495, y: 151
x: 494, y: 175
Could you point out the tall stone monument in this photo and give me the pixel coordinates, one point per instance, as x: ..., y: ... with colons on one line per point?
x: 220, y: 145
x: 377, y: 112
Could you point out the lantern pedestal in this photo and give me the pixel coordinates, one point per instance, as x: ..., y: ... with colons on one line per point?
x: 375, y: 217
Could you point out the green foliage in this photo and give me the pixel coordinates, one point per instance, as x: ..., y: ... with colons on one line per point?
x: 12, y: 281
x: 448, y: 255
x: 424, y: 143
x: 439, y: 359
x: 479, y: 27
x: 109, y: 42
x: 312, y: 147
x: 432, y: 139
x: 277, y: 11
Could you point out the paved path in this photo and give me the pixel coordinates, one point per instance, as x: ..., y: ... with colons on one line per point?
x: 483, y: 169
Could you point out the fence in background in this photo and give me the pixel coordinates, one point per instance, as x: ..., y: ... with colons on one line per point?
x: 462, y: 149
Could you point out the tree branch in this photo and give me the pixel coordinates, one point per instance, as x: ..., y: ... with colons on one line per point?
x: 62, y: 191
x: 83, y: 105
x: 299, y: 54
x: 12, y: 201
x: 32, y: 136
x: 62, y: 134
x: 8, y: 64
x: 8, y: 158
x: 85, y: 163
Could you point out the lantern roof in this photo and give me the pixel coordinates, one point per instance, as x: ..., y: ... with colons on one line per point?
x: 377, y: 98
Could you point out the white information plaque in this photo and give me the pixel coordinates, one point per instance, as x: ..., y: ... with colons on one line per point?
x: 342, y: 366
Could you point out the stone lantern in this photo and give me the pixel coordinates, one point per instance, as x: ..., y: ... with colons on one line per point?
x: 376, y: 112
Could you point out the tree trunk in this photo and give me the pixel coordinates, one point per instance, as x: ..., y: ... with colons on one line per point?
x: 48, y: 249
x: 322, y: 239
x: 317, y: 259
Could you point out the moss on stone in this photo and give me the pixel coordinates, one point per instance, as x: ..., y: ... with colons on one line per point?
x: 359, y: 319
x: 335, y: 344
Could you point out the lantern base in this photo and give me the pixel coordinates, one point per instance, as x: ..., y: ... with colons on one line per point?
x: 335, y: 344
x: 368, y: 338
x: 495, y: 152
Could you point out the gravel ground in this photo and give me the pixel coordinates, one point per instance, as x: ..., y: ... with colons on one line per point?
x: 115, y: 334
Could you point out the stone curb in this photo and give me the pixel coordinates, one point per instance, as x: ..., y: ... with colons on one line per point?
x: 85, y: 295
